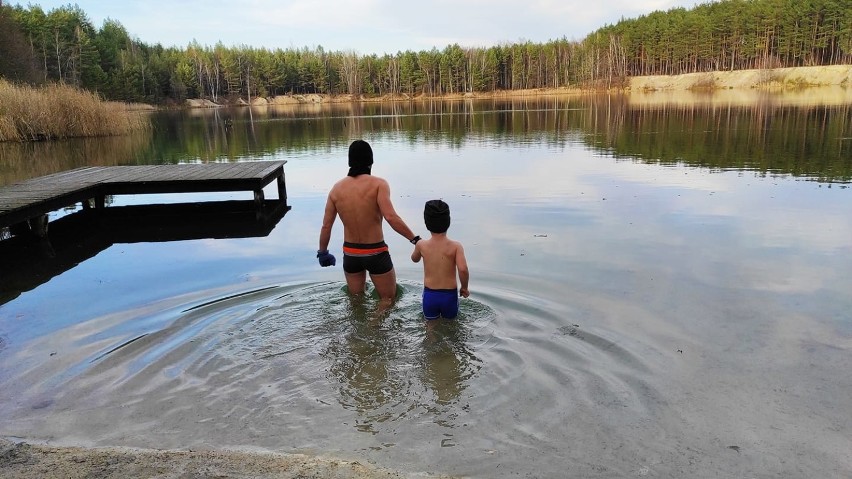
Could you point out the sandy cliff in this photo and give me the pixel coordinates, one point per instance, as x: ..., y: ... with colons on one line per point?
x: 779, y: 78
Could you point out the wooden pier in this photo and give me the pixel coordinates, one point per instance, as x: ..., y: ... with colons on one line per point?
x: 24, y: 206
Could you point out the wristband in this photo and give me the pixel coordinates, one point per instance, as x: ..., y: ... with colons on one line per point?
x: 414, y: 240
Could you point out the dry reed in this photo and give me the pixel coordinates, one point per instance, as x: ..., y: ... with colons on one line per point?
x: 61, y: 111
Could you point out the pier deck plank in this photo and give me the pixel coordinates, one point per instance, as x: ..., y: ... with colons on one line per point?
x: 38, y: 196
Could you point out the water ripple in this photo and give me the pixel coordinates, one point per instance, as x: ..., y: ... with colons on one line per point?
x: 306, y: 362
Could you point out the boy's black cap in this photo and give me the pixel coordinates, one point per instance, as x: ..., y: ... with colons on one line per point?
x: 436, y: 214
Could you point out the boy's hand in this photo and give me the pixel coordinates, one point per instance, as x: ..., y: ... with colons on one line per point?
x: 464, y: 292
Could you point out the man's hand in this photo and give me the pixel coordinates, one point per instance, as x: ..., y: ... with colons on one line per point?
x: 326, y: 258
x: 464, y: 293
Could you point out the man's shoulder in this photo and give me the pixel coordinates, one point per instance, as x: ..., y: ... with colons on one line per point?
x: 375, y: 183
x: 378, y: 180
x: 360, y: 185
x: 350, y: 181
x: 337, y: 186
x: 360, y: 178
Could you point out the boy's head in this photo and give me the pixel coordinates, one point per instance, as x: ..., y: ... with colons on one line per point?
x: 360, y: 158
x: 437, y: 216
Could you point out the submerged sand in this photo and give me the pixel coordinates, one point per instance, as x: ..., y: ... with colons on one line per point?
x: 26, y: 461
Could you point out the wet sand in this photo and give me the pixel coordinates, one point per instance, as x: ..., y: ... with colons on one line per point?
x: 25, y: 461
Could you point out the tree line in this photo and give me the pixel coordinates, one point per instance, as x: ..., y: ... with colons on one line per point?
x: 729, y: 35
x: 63, y: 45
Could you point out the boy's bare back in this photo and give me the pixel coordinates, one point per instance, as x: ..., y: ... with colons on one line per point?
x: 442, y: 258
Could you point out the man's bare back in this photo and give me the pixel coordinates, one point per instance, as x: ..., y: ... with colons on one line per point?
x: 356, y: 201
x: 362, y: 201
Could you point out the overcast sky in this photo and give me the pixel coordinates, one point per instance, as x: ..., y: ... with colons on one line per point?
x: 363, y: 26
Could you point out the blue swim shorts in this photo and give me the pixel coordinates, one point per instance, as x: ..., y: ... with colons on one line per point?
x: 440, y: 303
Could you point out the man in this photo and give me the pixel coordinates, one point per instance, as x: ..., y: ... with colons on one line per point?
x: 363, y: 201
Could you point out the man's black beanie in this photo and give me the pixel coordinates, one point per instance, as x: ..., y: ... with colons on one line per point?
x: 360, y: 158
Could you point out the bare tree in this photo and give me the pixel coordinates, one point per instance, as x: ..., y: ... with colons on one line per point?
x: 350, y: 74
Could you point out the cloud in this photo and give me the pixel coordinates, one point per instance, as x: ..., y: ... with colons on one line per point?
x: 365, y: 26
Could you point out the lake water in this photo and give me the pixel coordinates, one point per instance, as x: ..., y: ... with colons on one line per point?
x: 659, y: 287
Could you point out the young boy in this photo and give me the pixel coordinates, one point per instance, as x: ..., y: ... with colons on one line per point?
x: 442, y: 257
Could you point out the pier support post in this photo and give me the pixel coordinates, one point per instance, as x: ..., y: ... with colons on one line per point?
x: 282, y: 188
x: 36, y: 227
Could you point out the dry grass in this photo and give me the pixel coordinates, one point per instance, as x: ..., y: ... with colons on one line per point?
x: 134, y: 106
x: 60, y: 111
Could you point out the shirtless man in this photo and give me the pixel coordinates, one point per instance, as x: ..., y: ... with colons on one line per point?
x: 362, y: 201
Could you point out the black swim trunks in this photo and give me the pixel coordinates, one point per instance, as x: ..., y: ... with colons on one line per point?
x: 373, y: 257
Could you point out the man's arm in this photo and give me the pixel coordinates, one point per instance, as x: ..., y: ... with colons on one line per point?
x: 327, y: 222
x: 464, y: 274
x: 389, y: 213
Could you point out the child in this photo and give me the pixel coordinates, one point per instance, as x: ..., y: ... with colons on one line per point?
x: 442, y: 257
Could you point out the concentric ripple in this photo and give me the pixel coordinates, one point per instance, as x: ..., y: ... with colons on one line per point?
x: 306, y: 367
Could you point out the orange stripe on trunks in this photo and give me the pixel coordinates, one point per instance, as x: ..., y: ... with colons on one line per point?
x: 357, y: 250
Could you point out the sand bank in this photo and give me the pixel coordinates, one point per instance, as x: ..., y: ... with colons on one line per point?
x: 778, y: 78
x: 787, y: 79
x: 30, y: 461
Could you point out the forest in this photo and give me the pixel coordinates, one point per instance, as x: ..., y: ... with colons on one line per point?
x: 62, y: 45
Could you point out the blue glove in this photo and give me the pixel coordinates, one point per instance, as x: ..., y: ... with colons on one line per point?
x: 326, y: 258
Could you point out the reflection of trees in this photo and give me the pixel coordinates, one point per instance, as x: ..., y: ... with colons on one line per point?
x: 21, y: 161
x: 802, y: 140
x: 795, y: 140
x: 798, y: 139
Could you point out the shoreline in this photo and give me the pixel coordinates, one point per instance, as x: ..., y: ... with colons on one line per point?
x: 323, y: 98
x: 22, y: 460
x: 779, y: 79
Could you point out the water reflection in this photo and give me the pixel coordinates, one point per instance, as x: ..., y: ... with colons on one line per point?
x: 448, y: 363
x: 22, y: 161
x: 398, y: 367
x: 362, y: 360
x: 806, y: 133
x: 805, y: 141
x: 28, y: 262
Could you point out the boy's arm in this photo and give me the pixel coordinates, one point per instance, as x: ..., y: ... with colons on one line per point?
x: 416, y: 254
x: 464, y: 274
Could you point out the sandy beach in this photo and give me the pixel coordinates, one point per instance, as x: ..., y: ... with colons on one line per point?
x: 30, y: 461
